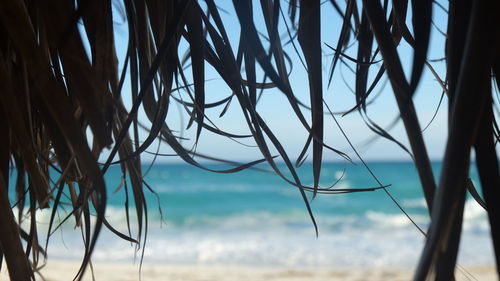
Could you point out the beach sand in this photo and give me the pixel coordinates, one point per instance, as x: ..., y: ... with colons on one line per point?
x: 64, y: 270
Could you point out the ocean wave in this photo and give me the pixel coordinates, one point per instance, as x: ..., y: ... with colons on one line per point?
x: 368, y: 239
x: 340, y: 174
x: 394, y: 221
x: 372, y: 240
x: 473, y: 210
x: 278, y: 247
x: 333, y: 184
x: 475, y: 217
x: 414, y: 203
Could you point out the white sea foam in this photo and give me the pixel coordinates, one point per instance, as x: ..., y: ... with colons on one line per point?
x: 475, y: 217
x: 394, y: 221
x: 342, y: 184
x: 377, y: 240
x: 414, y: 203
x: 371, y: 239
x: 340, y: 174
x: 362, y: 249
x: 206, y: 231
x: 473, y: 210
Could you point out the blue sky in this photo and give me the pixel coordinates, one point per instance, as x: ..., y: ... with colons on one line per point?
x: 274, y: 107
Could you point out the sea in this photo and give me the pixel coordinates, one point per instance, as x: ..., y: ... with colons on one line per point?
x: 255, y: 218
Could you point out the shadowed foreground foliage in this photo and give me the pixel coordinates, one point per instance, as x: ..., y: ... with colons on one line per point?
x: 62, y: 108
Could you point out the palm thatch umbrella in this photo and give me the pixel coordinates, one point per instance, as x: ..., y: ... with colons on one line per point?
x: 61, y: 103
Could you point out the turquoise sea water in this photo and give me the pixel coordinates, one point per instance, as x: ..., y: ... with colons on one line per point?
x: 255, y: 218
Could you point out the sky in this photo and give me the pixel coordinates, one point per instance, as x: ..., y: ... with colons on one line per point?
x: 277, y: 113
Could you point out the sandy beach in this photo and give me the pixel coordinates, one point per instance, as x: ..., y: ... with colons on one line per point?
x: 64, y: 270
